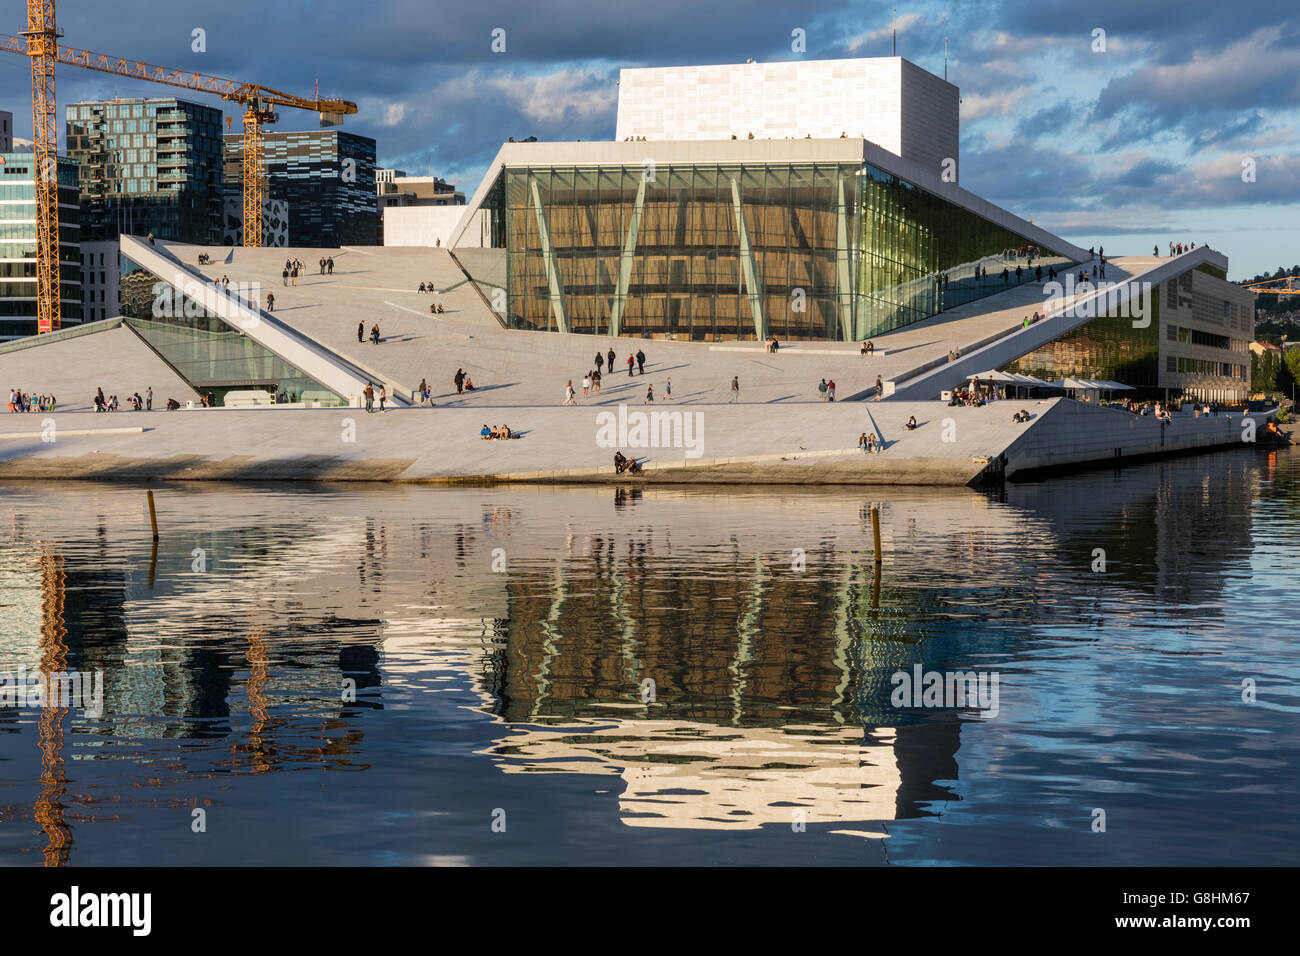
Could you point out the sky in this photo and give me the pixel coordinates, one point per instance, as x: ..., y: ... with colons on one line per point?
x: 1118, y: 124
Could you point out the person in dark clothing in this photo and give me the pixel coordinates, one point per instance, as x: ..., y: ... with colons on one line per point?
x: 600, y: 361
x: 459, y: 379
x: 611, y: 356
x: 630, y: 362
x: 640, y: 362
x: 329, y: 265
x: 361, y: 331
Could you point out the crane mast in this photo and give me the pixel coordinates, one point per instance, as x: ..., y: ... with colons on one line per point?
x: 40, y: 43
x: 42, y: 48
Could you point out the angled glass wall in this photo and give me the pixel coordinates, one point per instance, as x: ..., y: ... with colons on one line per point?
x: 1108, y: 348
x: 209, y: 354
x: 838, y: 251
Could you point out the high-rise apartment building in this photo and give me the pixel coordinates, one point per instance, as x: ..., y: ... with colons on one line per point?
x: 18, y: 245
x: 327, y: 179
x: 148, y: 166
x: 6, y: 131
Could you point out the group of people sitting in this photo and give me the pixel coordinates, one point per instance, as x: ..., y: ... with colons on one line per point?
x: 496, y: 431
x: 868, y: 347
x: 435, y: 308
x: 772, y: 345
x: 870, y: 444
x: 968, y: 397
x: 622, y: 463
x: 205, y: 259
x: 427, y: 287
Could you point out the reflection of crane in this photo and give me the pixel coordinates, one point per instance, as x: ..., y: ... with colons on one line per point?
x: 1286, y: 285
x: 42, y: 46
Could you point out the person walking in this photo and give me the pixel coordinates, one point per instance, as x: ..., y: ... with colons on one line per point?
x: 630, y: 362
x: 369, y: 393
x: 383, y: 396
x: 735, y: 389
x: 148, y: 399
x: 270, y: 302
x: 880, y: 388
x: 322, y: 265
x: 329, y: 265
x: 568, y: 394
x: 600, y: 361
x: 668, y: 390
x: 586, y: 384
x: 640, y: 362
x: 649, y: 395
x: 361, y: 332
x: 830, y: 390
x: 424, y: 392
x: 284, y: 276
x: 374, y: 333
x: 821, y: 390
x: 595, y: 382
x: 459, y: 380
x: 610, y: 364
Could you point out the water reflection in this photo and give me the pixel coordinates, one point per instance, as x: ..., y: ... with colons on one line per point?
x: 717, y: 662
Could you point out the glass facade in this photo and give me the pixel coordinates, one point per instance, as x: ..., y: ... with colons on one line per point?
x: 148, y: 166
x: 209, y: 354
x: 327, y: 180
x: 721, y: 252
x: 18, y: 245
x: 1108, y: 348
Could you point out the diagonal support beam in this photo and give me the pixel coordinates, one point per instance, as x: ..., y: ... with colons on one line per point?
x: 748, y: 267
x: 548, y: 257
x: 625, y: 262
x: 843, y: 262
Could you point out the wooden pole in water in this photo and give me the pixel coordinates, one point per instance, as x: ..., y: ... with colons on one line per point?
x: 875, y: 530
x: 153, y: 516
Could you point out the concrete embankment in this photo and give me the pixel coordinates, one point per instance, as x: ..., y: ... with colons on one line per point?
x: 714, y: 444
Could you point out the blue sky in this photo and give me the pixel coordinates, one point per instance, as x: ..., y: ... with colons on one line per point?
x: 1139, y: 144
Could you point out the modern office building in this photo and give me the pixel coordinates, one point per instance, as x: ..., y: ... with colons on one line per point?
x: 6, y: 131
x: 100, y: 270
x: 18, y: 245
x: 275, y: 221
x: 418, y: 210
x: 148, y: 166
x: 1196, y: 343
x: 326, y: 178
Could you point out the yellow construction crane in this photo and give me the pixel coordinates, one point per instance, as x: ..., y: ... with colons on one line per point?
x: 41, y: 43
x: 1286, y: 285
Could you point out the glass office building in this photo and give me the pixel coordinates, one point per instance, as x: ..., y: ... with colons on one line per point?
x: 727, y: 251
x: 18, y: 245
x: 211, y: 355
x: 148, y: 166
x: 326, y: 178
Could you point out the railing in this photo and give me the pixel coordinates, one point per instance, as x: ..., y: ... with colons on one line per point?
x: 71, y: 332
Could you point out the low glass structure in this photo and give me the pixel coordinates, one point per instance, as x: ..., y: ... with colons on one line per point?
x: 211, y: 355
x: 712, y: 252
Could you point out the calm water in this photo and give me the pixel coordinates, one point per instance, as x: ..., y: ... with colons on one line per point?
x: 672, y: 677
